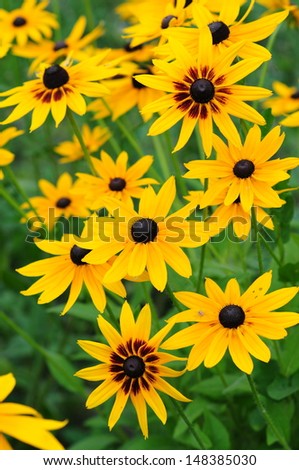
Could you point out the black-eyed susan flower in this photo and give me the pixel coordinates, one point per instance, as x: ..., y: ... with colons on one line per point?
x: 291, y: 121
x: 6, y: 157
x: 152, y: 19
x: 67, y: 269
x: 126, y: 93
x: 24, y: 423
x: 245, y: 171
x: 285, y: 101
x: 201, y: 90
x: 288, y: 5
x: 29, y: 21
x: 58, y: 87
x: 234, y: 321
x: 226, y: 29
x: 114, y: 179
x: 50, y: 51
x: 71, y: 151
x: 57, y: 201
x: 146, y: 239
x: 131, y: 366
x: 233, y: 214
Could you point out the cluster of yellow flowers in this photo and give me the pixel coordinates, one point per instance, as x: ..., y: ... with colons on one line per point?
x: 185, y: 62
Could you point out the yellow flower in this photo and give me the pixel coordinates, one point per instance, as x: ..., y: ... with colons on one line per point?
x: 245, y: 171
x: 59, y: 86
x: 93, y: 139
x: 30, y: 20
x: 50, y: 51
x: 66, y: 269
x: 6, y: 157
x: 291, y: 121
x: 114, y: 179
x: 58, y: 201
x: 131, y: 367
x: 201, y: 89
x: 227, y: 30
x: 283, y: 4
x: 147, y: 238
x: 24, y: 423
x: 286, y: 101
x: 234, y: 321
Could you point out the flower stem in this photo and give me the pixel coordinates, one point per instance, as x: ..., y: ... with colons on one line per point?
x: 258, y: 244
x: 11, y: 201
x: 78, y: 134
x: 172, y: 297
x: 201, y: 267
x: 179, y: 409
x: 266, y: 415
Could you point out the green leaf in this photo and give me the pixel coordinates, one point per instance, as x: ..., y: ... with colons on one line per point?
x: 283, y: 387
x: 290, y: 354
x: 281, y: 414
x: 182, y: 432
x: 289, y: 273
x: 63, y: 371
x: 217, y: 432
x: 95, y: 442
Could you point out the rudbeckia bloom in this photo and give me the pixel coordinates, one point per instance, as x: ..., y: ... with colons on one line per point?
x: 58, y: 87
x: 67, y: 269
x: 233, y: 213
x: 24, y: 423
x: 114, y: 179
x: 126, y: 93
x: 147, y: 239
x: 152, y: 19
x: 131, y: 367
x: 286, y: 5
x: 286, y: 101
x: 58, y: 201
x: 227, y: 30
x: 71, y: 151
x: 245, y: 171
x: 291, y: 121
x: 49, y: 51
x: 6, y: 157
x: 234, y: 321
x: 29, y: 21
x: 201, y: 89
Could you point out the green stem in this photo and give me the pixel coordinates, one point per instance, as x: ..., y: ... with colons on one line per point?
x: 22, y: 333
x: 147, y: 294
x: 12, y: 202
x: 265, y: 414
x: 78, y: 134
x: 172, y: 297
x: 89, y: 15
x: 258, y: 244
x: 269, y: 47
x: 266, y: 245
x: 201, y: 267
x: 165, y: 170
x: 182, y: 414
x: 21, y: 191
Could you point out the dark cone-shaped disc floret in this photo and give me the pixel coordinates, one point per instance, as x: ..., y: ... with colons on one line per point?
x: 166, y: 21
x: 144, y: 230
x: 63, y: 202
x: 55, y: 76
x: 231, y: 316
x: 244, y: 168
x: 134, y: 367
x: 19, y: 21
x: 77, y: 254
x: 60, y: 45
x: 117, y: 184
x: 220, y: 31
x: 202, y: 90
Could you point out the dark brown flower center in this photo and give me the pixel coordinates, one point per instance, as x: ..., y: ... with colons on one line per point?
x: 117, y: 184
x: 19, y: 21
x: 166, y: 20
x: 295, y: 96
x: 231, y: 316
x: 129, y: 48
x: 144, y: 230
x: 220, y: 31
x: 137, y: 84
x: 134, y: 366
x: 60, y: 45
x: 77, y: 254
x: 63, y: 202
x: 202, y: 90
x: 55, y: 76
x: 244, y: 168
